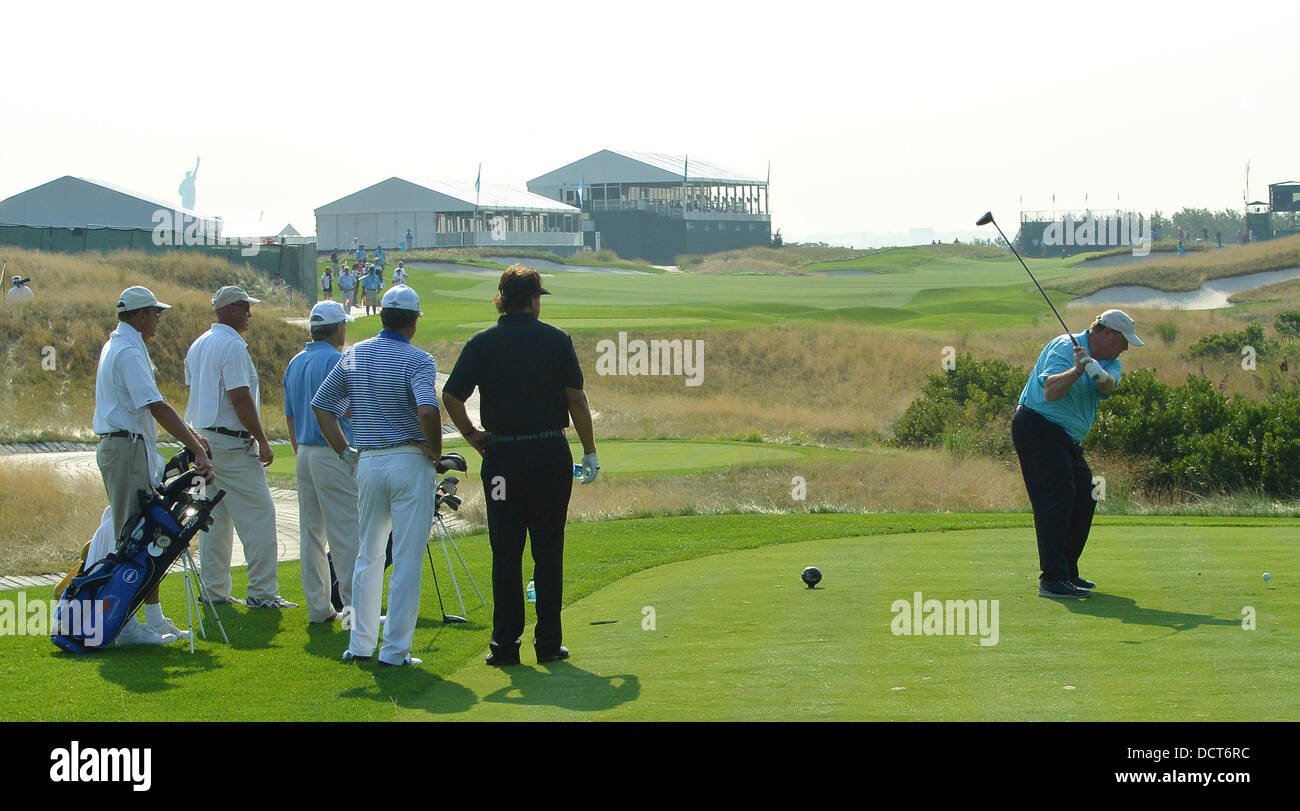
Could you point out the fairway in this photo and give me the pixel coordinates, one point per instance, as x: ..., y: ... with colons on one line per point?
x: 912, y: 289
x: 739, y: 637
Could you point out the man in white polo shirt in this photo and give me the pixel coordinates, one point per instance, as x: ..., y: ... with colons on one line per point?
x: 327, y: 486
x: 391, y: 387
x: 224, y: 408
x: 127, y: 402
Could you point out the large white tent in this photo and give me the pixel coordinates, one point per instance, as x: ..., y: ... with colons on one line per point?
x: 76, y: 202
x: 442, y: 214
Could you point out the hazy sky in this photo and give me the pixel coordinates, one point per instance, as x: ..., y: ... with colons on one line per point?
x: 874, y: 117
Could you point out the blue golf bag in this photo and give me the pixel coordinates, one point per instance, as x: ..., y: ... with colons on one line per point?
x: 97, y: 603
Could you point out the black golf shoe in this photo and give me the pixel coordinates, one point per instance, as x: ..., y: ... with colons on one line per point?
x: 498, y: 659
x: 1083, y: 584
x: 552, y: 656
x: 1061, y: 590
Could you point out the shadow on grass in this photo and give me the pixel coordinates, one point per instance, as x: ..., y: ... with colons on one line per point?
x: 413, y: 688
x: 154, y: 668
x: 326, y: 640
x: 1126, y: 609
x: 248, y: 628
x: 560, y: 684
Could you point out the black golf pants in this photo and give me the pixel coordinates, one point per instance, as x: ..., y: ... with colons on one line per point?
x: 527, y: 485
x: 1059, y: 482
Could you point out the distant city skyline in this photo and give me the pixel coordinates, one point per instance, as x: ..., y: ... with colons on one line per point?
x: 874, y: 120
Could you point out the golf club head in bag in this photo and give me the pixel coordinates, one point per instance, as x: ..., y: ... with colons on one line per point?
x: 451, y: 461
x: 448, y: 485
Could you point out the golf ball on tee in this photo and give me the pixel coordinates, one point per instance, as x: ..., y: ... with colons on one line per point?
x: 1267, y: 576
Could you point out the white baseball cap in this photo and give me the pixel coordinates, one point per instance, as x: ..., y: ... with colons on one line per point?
x: 1120, y: 321
x: 137, y: 298
x: 229, y: 295
x: 328, y: 312
x: 401, y: 297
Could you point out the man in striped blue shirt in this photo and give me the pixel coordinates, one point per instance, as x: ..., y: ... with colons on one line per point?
x: 327, y: 486
x: 391, y: 388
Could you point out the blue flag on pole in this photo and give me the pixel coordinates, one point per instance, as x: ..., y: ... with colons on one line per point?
x: 581, y: 184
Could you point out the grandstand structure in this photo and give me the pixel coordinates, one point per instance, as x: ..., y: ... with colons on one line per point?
x: 656, y: 207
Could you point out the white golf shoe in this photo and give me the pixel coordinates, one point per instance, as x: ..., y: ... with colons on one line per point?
x: 137, y: 633
x: 167, y: 627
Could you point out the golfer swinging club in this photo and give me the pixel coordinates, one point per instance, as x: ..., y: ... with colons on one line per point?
x: 1056, y: 412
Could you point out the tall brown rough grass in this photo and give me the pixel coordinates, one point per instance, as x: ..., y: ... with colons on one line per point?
x: 51, y: 346
x: 45, y: 518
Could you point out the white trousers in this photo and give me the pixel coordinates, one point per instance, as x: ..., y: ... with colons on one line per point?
x: 327, y: 511
x: 247, y: 506
x: 394, y: 493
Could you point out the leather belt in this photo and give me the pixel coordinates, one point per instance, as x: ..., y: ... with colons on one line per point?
x: 228, y: 432
x: 526, y: 437
x: 120, y: 435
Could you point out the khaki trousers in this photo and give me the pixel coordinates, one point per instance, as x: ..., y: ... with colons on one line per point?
x: 247, y: 506
x: 124, y: 464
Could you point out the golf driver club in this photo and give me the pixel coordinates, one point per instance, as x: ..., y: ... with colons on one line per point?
x: 988, y: 218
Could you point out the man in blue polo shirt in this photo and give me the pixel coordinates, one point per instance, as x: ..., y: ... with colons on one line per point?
x: 1057, y: 409
x: 371, y: 283
x: 391, y: 388
x: 327, y: 486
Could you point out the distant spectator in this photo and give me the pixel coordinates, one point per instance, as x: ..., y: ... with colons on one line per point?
x: 348, y: 288
x: 399, y: 273
x: 361, y: 253
x: 327, y: 284
x: 334, y: 260
x: 380, y: 257
x: 410, y: 240
x: 370, y: 284
x: 354, y: 245
x: 19, y: 293
x: 278, y: 282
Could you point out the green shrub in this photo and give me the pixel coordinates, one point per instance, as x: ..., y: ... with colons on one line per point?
x: 965, y: 409
x: 1288, y: 324
x: 1195, y: 438
x: 1168, y: 331
x: 1229, y: 344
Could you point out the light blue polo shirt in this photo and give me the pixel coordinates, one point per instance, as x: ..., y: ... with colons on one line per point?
x: 1077, y: 410
x: 302, y: 379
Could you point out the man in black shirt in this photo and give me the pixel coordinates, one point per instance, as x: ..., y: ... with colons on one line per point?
x: 530, y: 384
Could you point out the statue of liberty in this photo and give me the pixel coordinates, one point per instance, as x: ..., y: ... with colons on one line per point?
x: 187, y: 187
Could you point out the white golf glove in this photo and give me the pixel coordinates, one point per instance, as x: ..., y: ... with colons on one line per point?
x: 591, y: 466
x: 1093, y: 369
